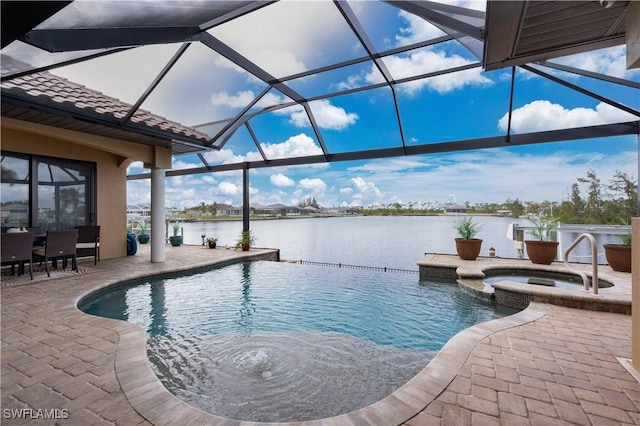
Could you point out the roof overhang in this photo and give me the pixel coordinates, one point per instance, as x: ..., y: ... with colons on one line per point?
x: 522, y: 32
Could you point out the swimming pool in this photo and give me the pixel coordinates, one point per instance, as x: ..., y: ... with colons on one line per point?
x: 268, y: 341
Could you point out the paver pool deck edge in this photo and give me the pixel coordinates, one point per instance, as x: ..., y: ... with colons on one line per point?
x: 54, y: 355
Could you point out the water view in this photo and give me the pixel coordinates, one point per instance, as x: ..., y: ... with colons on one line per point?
x: 391, y: 241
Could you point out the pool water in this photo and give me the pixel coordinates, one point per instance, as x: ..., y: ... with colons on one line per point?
x: 272, y: 342
x: 548, y: 279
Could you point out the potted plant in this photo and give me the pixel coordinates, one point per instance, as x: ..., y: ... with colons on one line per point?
x: 467, y: 246
x: 143, y: 236
x: 212, y: 242
x: 176, y: 238
x: 542, y: 250
x: 245, y: 241
x: 619, y: 255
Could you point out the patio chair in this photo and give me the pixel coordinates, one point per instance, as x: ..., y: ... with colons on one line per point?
x: 88, y: 242
x: 59, y: 244
x: 16, y: 248
x: 38, y: 238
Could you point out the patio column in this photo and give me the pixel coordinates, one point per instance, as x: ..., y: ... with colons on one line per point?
x: 245, y: 197
x: 157, y: 215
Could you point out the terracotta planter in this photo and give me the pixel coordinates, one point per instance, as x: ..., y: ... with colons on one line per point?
x: 618, y: 257
x: 468, y: 249
x: 542, y: 252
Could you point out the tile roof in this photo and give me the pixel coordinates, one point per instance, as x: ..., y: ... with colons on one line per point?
x: 62, y: 93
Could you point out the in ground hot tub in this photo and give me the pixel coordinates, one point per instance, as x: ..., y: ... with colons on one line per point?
x: 539, y: 277
x: 516, y: 288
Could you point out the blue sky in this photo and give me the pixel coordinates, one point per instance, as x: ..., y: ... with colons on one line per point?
x: 295, y: 36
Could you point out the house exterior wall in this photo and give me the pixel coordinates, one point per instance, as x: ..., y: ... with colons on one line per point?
x: 111, y: 182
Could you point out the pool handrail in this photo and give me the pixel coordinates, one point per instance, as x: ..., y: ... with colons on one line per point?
x: 594, y: 261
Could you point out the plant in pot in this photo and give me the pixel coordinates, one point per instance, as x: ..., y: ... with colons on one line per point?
x: 143, y: 235
x: 176, y: 238
x: 245, y: 241
x: 212, y: 242
x: 619, y: 255
x: 542, y: 250
x: 467, y: 247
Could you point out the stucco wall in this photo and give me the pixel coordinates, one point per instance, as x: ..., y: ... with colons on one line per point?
x: 111, y: 182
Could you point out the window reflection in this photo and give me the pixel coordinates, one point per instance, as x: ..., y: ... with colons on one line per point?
x: 15, y: 192
x: 61, y: 196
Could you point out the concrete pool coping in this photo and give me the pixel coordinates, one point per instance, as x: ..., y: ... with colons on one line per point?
x: 54, y: 356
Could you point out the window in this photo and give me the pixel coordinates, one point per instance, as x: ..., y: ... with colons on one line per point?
x: 45, y: 192
x: 15, y: 192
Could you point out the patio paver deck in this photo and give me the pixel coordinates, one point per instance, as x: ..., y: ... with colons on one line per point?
x: 546, y: 365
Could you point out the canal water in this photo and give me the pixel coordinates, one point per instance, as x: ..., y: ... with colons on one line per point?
x: 391, y: 241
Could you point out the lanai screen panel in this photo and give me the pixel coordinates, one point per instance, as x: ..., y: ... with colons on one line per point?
x: 195, y: 91
x: 123, y: 75
x: 290, y: 37
x: 274, y: 71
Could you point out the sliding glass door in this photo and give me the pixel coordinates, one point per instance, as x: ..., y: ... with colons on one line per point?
x: 55, y: 194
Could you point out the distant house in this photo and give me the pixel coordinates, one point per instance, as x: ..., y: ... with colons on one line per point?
x: 456, y: 209
x: 143, y: 210
x: 309, y: 210
x: 228, y: 210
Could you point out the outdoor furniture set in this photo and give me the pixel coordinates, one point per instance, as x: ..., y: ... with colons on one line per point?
x: 20, y: 246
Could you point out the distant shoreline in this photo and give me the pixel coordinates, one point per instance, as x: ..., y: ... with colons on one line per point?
x: 288, y: 217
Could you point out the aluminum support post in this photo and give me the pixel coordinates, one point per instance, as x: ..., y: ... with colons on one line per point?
x: 245, y: 197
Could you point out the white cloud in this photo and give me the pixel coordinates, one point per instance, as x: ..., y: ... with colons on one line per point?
x: 281, y: 34
x: 227, y: 156
x: 243, y: 98
x: 426, y: 61
x: 611, y: 61
x: 364, y: 188
x: 228, y: 188
x: 327, y: 116
x: 316, y: 185
x: 513, y: 173
x: 281, y: 180
x: 417, y: 30
x: 272, y: 99
x: 544, y: 115
x: 239, y: 100
x: 180, y: 165
x: 296, y: 146
x: 351, y: 82
x: 390, y: 165
x: 346, y: 191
